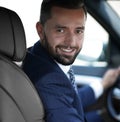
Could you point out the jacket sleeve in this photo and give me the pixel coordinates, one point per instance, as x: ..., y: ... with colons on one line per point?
x: 87, y: 94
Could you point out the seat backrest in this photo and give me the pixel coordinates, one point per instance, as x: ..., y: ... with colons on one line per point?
x: 19, y: 100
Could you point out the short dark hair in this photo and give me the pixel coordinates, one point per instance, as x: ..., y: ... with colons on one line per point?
x: 47, y: 5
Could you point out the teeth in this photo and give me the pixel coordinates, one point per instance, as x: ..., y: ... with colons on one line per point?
x: 66, y: 50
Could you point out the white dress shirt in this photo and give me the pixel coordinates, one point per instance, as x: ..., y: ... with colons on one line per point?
x: 95, y: 85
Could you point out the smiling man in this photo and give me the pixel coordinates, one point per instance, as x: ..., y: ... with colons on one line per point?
x: 62, y: 35
x: 47, y: 63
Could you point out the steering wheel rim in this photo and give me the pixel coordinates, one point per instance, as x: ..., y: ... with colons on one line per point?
x: 111, y: 108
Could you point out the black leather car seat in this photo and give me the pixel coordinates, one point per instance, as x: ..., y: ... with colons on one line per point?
x: 19, y: 101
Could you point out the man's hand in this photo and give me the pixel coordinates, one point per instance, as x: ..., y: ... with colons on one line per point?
x: 110, y: 77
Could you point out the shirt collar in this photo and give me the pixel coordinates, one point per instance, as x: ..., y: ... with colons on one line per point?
x: 64, y: 68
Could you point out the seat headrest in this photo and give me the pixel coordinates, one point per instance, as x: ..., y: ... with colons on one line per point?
x: 12, y: 35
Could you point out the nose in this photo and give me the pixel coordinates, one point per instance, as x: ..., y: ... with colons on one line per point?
x: 71, y: 38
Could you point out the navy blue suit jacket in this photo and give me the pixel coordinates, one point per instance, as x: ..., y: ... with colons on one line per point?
x: 61, y: 102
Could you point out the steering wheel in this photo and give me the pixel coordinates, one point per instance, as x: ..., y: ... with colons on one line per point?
x: 113, y: 102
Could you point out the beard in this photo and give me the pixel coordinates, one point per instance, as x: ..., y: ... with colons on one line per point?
x: 60, y: 58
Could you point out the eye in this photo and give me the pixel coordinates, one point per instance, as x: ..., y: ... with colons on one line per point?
x: 79, y: 31
x: 60, y: 30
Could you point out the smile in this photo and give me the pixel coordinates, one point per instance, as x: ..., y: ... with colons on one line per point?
x: 67, y: 50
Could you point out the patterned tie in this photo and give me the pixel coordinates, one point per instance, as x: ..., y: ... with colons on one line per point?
x: 72, y: 78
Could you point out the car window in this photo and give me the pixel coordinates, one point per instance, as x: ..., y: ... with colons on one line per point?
x: 96, y: 39
x: 115, y: 4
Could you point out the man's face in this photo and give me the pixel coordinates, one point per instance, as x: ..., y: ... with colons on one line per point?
x: 62, y: 35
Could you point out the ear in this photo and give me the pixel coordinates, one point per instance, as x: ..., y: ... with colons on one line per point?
x: 40, y: 30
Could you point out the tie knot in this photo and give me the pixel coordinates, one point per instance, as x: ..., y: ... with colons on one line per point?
x: 70, y: 71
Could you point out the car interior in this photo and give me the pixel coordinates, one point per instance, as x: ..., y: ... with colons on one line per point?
x: 19, y: 101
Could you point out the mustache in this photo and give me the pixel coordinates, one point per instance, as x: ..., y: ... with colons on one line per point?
x: 67, y: 46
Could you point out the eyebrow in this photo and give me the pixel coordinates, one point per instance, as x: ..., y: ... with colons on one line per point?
x: 60, y: 26
x: 63, y: 27
x: 81, y: 28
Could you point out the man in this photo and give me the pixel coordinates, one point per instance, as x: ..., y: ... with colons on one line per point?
x: 47, y: 63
